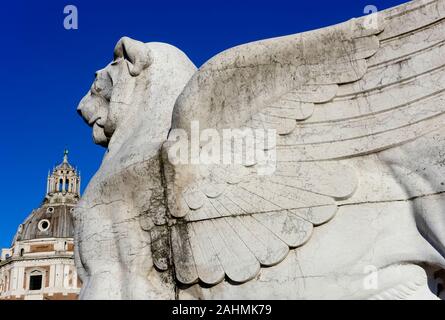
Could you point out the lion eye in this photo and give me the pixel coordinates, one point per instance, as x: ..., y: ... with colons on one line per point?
x: 96, y: 87
x: 102, y: 86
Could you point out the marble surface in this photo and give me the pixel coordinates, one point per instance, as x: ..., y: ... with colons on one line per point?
x: 343, y: 197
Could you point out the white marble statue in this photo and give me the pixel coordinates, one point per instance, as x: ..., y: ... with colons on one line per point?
x: 342, y: 199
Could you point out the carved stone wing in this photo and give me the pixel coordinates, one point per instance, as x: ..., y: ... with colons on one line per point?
x: 331, y: 94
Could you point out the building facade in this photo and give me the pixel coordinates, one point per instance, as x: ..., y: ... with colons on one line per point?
x: 39, y: 265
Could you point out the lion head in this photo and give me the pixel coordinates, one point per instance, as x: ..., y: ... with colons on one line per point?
x: 131, y: 100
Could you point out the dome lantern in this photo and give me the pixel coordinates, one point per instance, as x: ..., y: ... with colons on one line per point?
x: 63, y: 183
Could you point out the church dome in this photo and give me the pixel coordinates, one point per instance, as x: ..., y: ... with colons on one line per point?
x: 48, y: 221
x: 53, y: 219
x: 39, y: 265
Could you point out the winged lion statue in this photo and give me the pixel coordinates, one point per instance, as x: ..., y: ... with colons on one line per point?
x: 336, y: 190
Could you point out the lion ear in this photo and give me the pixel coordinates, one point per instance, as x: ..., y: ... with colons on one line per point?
x: 136, y: 54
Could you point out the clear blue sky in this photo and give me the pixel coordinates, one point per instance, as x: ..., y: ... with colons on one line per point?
x: 45, y: 70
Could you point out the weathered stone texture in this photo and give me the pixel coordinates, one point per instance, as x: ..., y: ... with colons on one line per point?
x: 357, y: 190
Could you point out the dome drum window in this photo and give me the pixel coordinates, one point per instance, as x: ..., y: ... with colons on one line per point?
x: 50, y: 210
x: 35, y: 280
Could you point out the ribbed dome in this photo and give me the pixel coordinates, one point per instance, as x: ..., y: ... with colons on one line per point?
x: 49, y: 221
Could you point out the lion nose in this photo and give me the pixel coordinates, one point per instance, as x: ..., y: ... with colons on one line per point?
x: 79, y: 111
x: 80, y: 107
x: 84, y: 108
